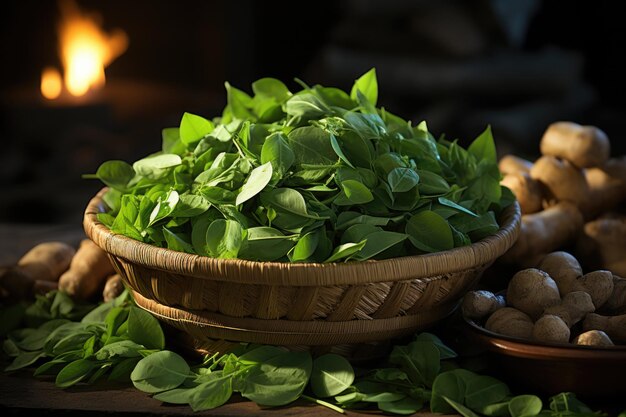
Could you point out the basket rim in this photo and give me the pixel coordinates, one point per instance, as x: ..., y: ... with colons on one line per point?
x: 303, y: 274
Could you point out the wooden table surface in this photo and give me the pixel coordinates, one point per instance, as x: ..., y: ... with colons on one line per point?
x: 21, y: 394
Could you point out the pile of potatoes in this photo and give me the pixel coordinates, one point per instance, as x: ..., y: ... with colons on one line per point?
x: 573, y: 182
x: 84, y: 273
x: 555, y: 303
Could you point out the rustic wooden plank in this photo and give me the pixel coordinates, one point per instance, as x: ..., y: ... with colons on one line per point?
x: 22, y: 394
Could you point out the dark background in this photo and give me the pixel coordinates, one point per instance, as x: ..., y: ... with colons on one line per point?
x: 460, y: 65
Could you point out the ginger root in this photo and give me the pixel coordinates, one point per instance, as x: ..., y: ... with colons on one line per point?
x: 87, y: 273
x: 479, y: 304
x: 563, y: 180
x: 510, y: 322
x: 114, y: 286
x: 44, y: 262
x: 593, y: 338
x: 511, y: 164
x: 607, y: 188
x: 614, y: 326
x: 551, y: 329
x: 532, y: 291
x: 583, y: 146
x: 546, y: 231
x: 603, y: 244
x: 573, y: 308
x: 527, y: 191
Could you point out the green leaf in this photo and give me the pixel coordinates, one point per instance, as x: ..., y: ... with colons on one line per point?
x: 402, y: 179
x: 155, y: 166
x: 379, y: 242
x: 449, y: 385
x: 279, y: 381
x: 277, y: 151
x: 144, y: 329
x: 164, y: 207
x: 193, y: 128
x: 115, y: 174
x: 311, y: 145
x: 484, y: 390
x: 419, y: 360
x: 431, y: 183
x: 460, y: 408
x: 160, y: 371
x: 305, y: 247
x: 265, y: 244
x: 452, y: 204
x: 74, y: 372
x: 525, y: 406
x: 405, y: 406
x: 256, y: 182
x: 444, y: 351
x: 272, y: 88
x: 211, y: 394
x: 306, y: 106
x: 122, y: 349
x: 429, y: 232
x: 121, y: 370
x: 331, y: 375
x: 224, y: 238
x: 239, y: 103
x: 355, y: 192
x: 483, y: 147
x: 24, y: 359
x: 496, y: 410
x: 190, y: 205
x: 368, y: 85
x: 171, y: 142
x: 567, y: 401
x: 345, y: 251
x: 337, y: 148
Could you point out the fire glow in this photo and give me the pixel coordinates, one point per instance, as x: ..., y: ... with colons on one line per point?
x: 85, y: 49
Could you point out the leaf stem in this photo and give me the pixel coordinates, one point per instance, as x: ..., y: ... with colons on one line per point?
x: 323, y: 403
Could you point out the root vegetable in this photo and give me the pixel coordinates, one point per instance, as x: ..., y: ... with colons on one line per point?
x: 607, y: 188
x: 528, y: 192
x: 603, y: 244
x: 113, y: 287
x: 563, y: 181
x: 551, y: 329
x: 593, y: 338
x: 532, y: 291
x: 614, y: 326
x: 617, y: 300
x: 88, y: 271
x: 583, y: 146
x: 511, y: 164
x: 546, y: 231
x: 510, y: 322
x: 479, y: 304
x: 573, y: 308
x: 599, y: 285
x: 564, y: 269
x: 44, y: 262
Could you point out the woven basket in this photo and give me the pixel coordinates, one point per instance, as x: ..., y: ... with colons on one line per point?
x: 305, y: 304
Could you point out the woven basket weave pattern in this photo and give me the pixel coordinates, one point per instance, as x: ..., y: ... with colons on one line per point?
x: 298, y: 304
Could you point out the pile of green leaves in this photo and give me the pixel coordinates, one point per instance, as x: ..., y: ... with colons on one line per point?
x: 319, y: 175
x: 122, y: 342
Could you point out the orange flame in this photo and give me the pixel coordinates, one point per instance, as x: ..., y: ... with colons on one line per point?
x: 85, y: 49
x: 51, y: 83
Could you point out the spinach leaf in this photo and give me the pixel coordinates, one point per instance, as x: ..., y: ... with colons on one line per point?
x: 367, y: 84
x: 144, y: 329
x: 525, y: 406
x: 331, y: 375
x: 160, y: 371
x: 193, y: 128
x: 278, y: 381
x: 256, y: 182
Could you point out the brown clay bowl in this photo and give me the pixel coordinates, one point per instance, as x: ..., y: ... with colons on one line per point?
x: 590, y: 372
